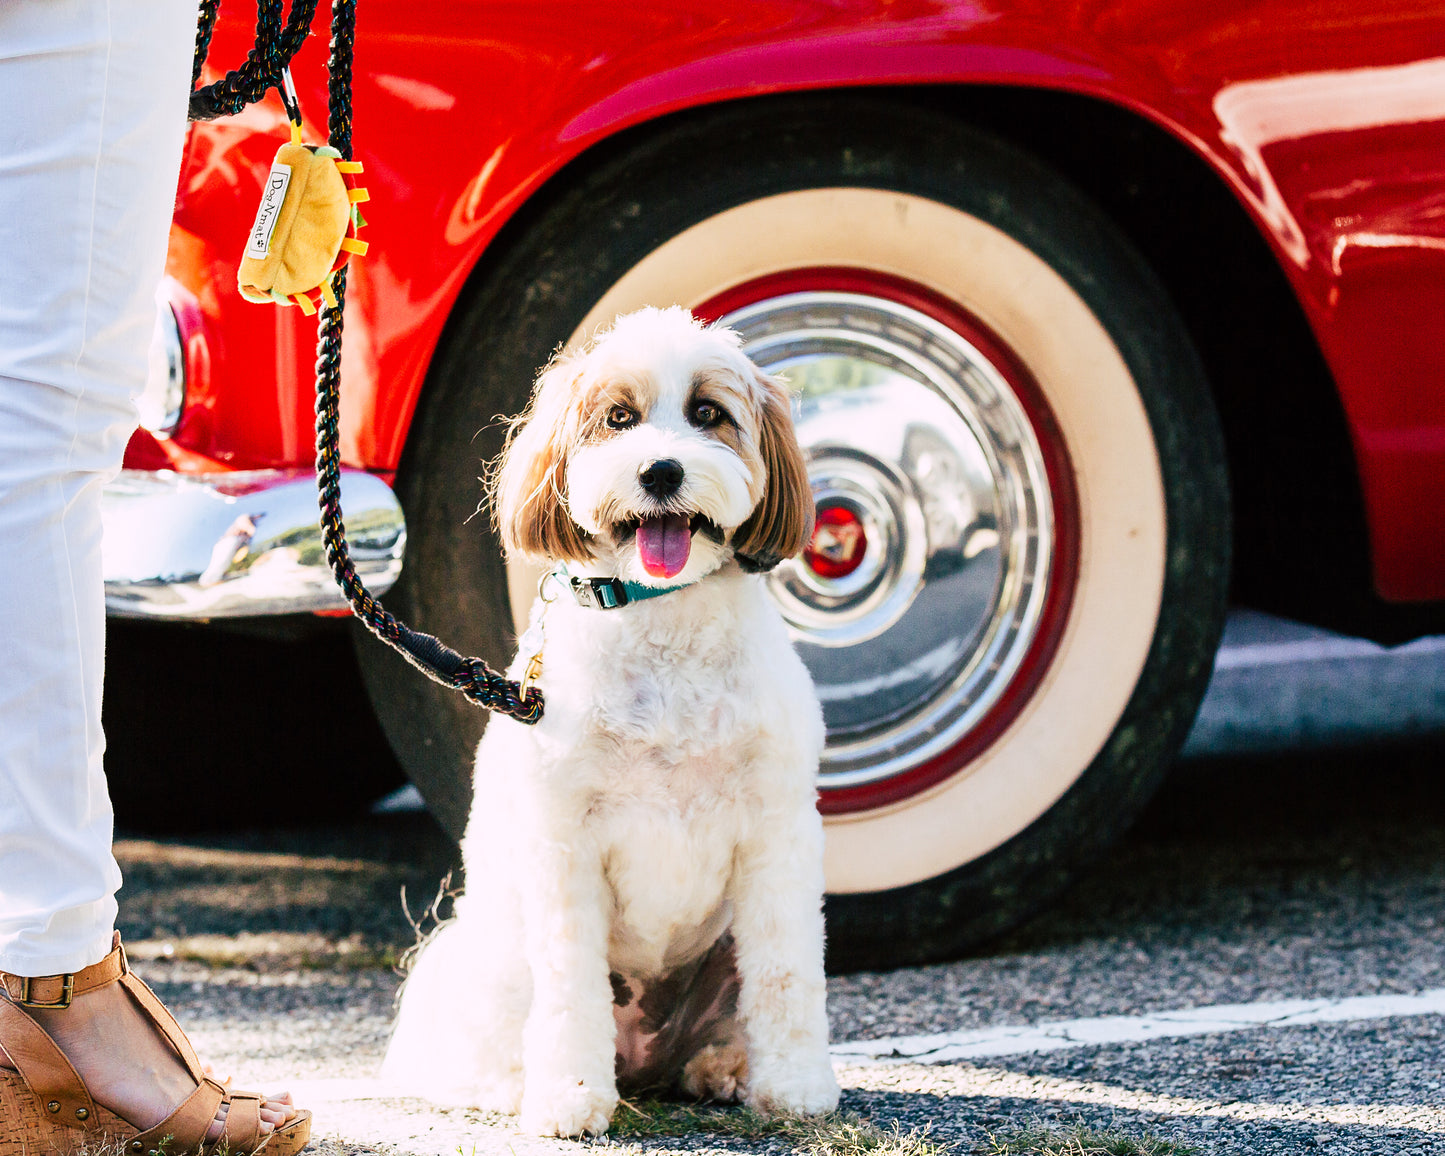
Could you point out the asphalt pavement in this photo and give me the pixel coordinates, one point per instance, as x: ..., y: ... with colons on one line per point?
x: 1258, y: 967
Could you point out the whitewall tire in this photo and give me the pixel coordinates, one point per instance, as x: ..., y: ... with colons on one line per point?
x: 1012, y: 617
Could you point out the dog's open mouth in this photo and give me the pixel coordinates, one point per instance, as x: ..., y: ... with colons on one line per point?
x: 664, y: 541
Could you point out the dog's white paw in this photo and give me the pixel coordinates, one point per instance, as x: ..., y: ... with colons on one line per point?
x: 802, y: 1089
x: 501, y: 1095
x: 567, y: 1108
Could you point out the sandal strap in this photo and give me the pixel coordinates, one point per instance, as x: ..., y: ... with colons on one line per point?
x: 186, y: 1127
x: 166, y: 1022
x: 43, y: 1067
x: 243, y: 1124
x: 56, y: 991
x: 63, y: 1095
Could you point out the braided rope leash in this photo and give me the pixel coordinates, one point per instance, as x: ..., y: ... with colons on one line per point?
x: 264, y: 64
x: 262, y: 71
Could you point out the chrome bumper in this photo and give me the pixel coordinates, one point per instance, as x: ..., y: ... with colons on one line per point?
x: 232, y: 545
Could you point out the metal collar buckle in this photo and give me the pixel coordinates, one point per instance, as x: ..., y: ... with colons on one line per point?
x: 67, y: 990
x: 599, y: 593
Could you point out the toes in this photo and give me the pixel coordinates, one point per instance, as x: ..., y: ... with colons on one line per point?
x: 275, y: 1112
x: 282, y: 1105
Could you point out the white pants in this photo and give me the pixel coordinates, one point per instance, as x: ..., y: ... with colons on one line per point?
x: 92, y: 120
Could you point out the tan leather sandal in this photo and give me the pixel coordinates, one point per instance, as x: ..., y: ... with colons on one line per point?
x: 46, y: 1110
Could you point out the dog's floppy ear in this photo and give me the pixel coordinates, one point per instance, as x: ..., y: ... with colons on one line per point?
x: 530, y: 482
x: 782, y: 521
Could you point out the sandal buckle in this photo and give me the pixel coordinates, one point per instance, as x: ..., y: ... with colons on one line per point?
x: 67, y: 990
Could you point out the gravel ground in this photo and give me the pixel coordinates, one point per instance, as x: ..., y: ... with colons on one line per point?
x: 1249, y: 879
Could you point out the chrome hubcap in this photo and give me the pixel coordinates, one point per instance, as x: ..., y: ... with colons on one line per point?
x: 921, y: 590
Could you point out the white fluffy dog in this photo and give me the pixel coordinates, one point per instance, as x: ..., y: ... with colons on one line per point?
x: 643, y: 867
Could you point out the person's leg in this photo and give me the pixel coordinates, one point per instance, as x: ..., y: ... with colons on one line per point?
x: 89, y: 152
x: 94, y: 93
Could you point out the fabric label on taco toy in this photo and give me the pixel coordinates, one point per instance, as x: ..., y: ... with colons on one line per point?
x: 272, y: 197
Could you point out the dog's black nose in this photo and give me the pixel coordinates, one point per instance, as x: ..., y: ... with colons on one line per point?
x: 661, y: 479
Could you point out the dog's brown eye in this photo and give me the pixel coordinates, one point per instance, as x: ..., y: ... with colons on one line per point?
x: 705, y: 414
x: 620, y: 417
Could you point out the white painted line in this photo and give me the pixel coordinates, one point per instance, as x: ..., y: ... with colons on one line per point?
x: 1319, y: 650
x: 1005, y: 1085
x: 1052, y: 1036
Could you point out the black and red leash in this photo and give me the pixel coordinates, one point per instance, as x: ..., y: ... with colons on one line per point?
x: 277, y: 41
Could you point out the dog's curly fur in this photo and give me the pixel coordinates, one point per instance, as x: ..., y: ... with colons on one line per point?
x: 644, y: 867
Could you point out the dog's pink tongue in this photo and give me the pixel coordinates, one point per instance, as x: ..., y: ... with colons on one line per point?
x: 663, y: 544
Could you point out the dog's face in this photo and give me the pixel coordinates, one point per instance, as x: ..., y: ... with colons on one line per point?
x: 661, y: 449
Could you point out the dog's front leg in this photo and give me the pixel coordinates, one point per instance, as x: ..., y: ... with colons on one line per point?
x: 778, y: 925
x: 569, y: 1046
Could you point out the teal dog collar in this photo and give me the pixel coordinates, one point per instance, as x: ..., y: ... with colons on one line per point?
x: 610, y: 593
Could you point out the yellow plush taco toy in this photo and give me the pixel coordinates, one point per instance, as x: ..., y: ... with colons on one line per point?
x: 305, y: 228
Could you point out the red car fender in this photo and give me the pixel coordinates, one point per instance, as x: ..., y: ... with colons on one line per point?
x: 1326, y: 122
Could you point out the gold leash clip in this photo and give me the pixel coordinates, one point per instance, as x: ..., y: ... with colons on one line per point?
x: 532, y: 673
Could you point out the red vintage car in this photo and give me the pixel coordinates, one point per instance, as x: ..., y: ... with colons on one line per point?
x: 1098, y: 314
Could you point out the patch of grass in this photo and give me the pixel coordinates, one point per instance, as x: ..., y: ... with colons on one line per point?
x: 384, y: 958
x: 330, y: 1146
x: 272, y: 952
x: 850, y: 1135
x: 1080, y: 1141
x: 107, y: 1147
x: 836, y: 1134
x: 100, y: 1148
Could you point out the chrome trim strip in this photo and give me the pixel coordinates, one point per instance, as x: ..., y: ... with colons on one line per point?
x: 188, y: 546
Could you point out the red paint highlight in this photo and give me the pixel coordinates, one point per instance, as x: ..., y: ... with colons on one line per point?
x: 838, y: 544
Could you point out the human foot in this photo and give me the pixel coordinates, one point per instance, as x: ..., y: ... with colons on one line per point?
x: 138, y: 1076
x: 127, y: 1066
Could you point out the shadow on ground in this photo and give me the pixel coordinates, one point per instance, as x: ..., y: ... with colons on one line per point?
x: 1264, y: 839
